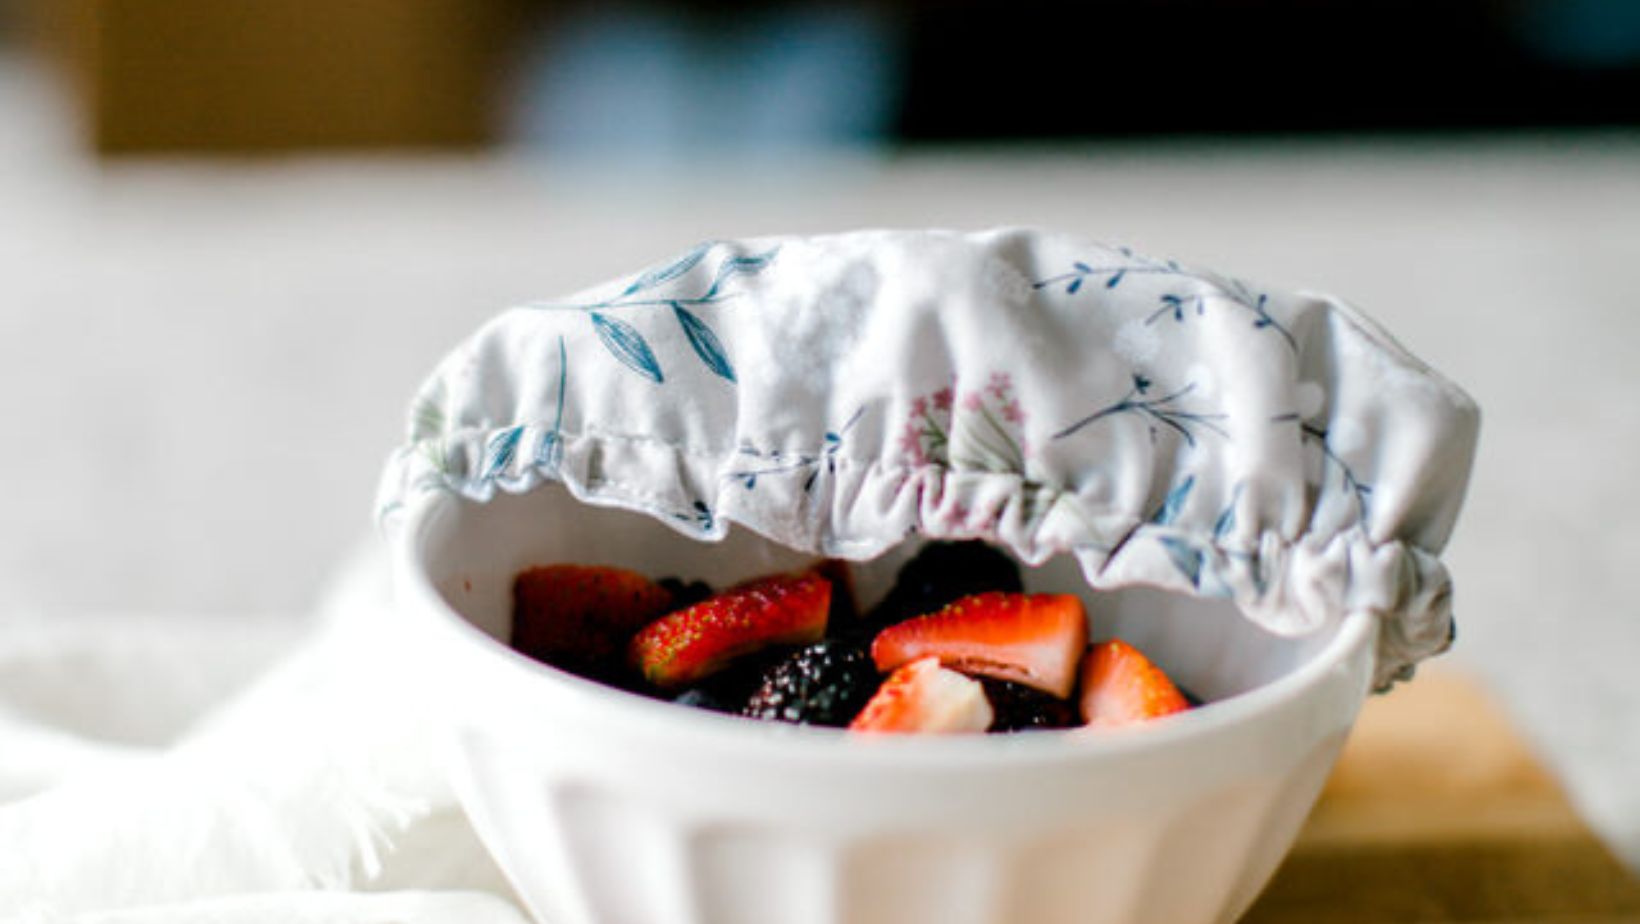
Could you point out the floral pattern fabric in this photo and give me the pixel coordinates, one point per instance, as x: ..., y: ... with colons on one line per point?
x: 1165, y: 426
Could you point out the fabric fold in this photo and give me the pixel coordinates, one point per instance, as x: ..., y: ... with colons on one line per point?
x: 236, y: 770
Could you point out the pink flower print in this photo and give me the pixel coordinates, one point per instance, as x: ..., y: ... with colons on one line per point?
x: 973, y: 401
x: 1013, y: 413
x: 959, y: 514
x: 919, y: 407
x: 911, y: 443
x: 942, y: 399
x: 1001, y: 383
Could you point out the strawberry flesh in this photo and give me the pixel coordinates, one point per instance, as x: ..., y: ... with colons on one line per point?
x: 1033, y: 639
x: 1120, y: 686
x: 580, y: 616
x: 924, y: 697
x: 683, y: 647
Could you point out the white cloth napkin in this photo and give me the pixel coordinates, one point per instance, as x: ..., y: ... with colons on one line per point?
x: 175, y: 769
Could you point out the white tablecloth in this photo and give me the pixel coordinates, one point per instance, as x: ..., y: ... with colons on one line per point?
x: 202, y: 366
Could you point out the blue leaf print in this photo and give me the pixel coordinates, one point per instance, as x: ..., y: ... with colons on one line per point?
x: 1233, y: 291
x: 1362, y: 492
x: 499, y: 451
x: 736, y: 266
x: 550, y: 454
x: 669, y: 272
x: 1225, y: 523
x: 700, y: 515
x: 775, y: 461
x: 429, y: 417
x: 1174, y: 502
x: 1186, y: 557
x: 706, y: 344
x: 627, y: 345
x: 1227, y: 517
x: 1163, y: 410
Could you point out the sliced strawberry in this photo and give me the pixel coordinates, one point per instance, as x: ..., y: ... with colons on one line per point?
x: 1120, y: 686
x: 1033, y: 639
x: 682, y: 647
x: 924, y: 697
x: 580, y: 616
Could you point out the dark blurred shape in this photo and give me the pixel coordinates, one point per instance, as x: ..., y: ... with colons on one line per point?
x: 1037, y: 69
x: 9, y: 16
x: 672, y: 81
x: 256, y: 75
x: 1583, y: 33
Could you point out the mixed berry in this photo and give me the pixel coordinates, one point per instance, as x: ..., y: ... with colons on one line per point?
x: 826, y: 683
x: 955, y: 646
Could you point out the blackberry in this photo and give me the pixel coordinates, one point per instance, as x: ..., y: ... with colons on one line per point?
x: 729, y: 689
x: 942, y: 572
x: 1017, y: 707
x: 827, y: 683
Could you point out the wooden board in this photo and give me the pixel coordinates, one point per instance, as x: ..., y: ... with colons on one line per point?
x: 1437, y: 811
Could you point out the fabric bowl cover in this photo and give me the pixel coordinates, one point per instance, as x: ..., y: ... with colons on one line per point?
x: 838, y: 394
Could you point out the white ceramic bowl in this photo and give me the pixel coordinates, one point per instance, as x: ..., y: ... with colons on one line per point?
x: 605, y: 806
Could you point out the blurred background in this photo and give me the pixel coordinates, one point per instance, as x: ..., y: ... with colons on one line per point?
x: 233, y: 236
x: 662, y: 81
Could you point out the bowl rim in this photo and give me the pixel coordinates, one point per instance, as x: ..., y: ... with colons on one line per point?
x: 639, y: 716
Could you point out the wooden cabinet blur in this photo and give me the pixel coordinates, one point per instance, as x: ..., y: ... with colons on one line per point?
x: 261, y: 75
